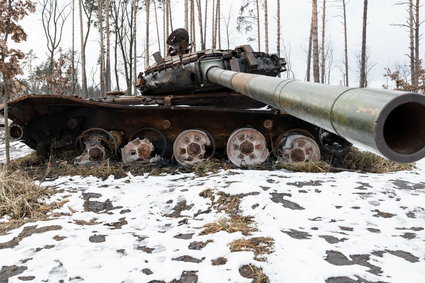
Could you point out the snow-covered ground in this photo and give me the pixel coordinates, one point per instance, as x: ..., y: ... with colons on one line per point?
x: 339, y: 227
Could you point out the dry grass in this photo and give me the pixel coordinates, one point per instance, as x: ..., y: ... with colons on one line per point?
x: 258, y: 245
x: 227, y: 203
x: 233, y: 224
x: 309, y: 167
x: 207, y: 193
x: 63, y: 166
x: 368, y: 162
x: 20, y: 197
x: 210, y: 166
x: 255, y: 273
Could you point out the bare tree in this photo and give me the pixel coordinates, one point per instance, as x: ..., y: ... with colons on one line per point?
x: 157, y: 26
x: 53, y: 19
x: 213, y: 30
x: 278, y: 28
x: 248, y: 20
x: 170, y: 14
x: 102, y: 47
x: 412, y: 43
x: 417, y: 41
x: 165, y: 25
x: 73, y: 48
x: 192, y: 24
x: 323, y: 62
x: 363, y: 78
x: 186, y: 14
x: 11, y: 11
x: 147, y: 33
x: 83, y: 52
x: 367, y: 65
x: 411, y: 26
x: 198, y: 3
x: 258, y: 25
x: 123, y: 17
x: 344, y: 12
x: 134, y: 37
x: 218, y: 23
x: 108, y: 47
x: 315, y: 42
x: 205, y: 22
x: 227, y: 22
x: 266, y: 26
x: 309, y: 51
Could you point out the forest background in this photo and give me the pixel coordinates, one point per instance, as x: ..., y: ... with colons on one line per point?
x: 53, y: 57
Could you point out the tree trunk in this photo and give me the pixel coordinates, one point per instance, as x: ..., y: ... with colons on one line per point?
x: 164, y: 26
x: 83, y: 54
x: 323, y: 63
x: 278, y: 29
x: 133, y: 85
x: 6, y: 120
x: 186, y: 14
x: 147, y: 33
x: 108, y: 82
x: 411, y: 23
x: 198, y: 2
x: 102, y: 49
x: 117, y: 78
x: 205, y: 23
x: 309, y: 51
x: 218, y: 15
x: 266, y: 26
x: 192, y: 23
x: 170, y: 14
x: 157, y: 26
x: 73, y: 48
x: 258, y: 26
x: 213, y: 27
x: 363, y: 78
x: 315, y: 41
x: 345, y: 42
x: 417, y: 39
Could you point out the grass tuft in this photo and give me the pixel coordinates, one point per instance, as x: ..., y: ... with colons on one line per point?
x: 255, y: 273
x: 308, y: 167
x: 235, y: 223
x: 368, y: 162
x: 20, y: 197
x: 227, y: 203
x: 259, y: 245
x: 210, y: 166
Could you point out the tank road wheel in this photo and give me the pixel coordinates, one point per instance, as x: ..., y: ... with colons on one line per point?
x: 192, y: 147
x: 95, y: 145
x: 147, y: 146
x: 296, y: 146
x: 247, y: 147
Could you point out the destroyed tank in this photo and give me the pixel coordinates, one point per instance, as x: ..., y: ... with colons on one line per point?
x: 222, y: 103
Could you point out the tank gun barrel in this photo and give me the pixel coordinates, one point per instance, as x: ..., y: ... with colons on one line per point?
x: 389, y: 123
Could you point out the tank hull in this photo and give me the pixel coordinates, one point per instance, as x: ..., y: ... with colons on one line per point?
x: 52, y: 122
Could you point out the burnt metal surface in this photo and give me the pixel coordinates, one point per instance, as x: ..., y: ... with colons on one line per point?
x: 49, y: 120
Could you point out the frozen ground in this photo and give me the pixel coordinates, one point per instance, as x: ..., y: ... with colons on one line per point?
x: 341, y: 227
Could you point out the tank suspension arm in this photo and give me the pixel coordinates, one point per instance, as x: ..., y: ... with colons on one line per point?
x: 389, y: 123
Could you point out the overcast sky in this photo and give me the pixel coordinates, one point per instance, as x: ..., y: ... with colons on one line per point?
x: 387, y: 44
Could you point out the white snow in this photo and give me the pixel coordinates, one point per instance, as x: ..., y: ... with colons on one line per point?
x: 342, y: 215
